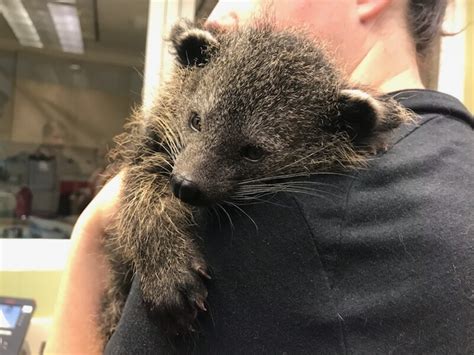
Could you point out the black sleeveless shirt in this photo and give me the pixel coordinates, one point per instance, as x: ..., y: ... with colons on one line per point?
x: 379, y: 262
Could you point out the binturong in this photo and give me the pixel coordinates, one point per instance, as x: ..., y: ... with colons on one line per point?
x: 243, y: 111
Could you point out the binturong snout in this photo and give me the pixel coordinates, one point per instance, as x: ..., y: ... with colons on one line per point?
x: 187, y: 190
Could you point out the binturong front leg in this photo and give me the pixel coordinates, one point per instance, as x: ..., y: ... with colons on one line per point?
x: 156, y: 232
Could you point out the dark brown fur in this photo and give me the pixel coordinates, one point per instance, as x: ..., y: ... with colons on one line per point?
x: 273, y: 91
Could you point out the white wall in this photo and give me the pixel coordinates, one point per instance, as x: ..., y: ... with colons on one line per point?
x: 158, y: 61
x: 452, y: 64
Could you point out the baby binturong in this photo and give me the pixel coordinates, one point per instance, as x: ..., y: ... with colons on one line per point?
x: 243, y: 112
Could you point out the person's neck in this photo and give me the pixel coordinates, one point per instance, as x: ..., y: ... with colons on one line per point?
x: 387, y: 68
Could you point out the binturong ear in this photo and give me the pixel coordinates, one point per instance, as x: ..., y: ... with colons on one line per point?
x: 192, y: 45
x: 365, y: 117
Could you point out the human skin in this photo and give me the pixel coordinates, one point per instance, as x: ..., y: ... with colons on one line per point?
x: 371, y: 43
x: 74, y: 330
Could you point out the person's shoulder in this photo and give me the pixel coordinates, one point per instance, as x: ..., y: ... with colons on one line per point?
x: 428, y: 103
x: 425, y: 171
x: 424, y: 179
x: 441, y: 120
x: 440, y: 141
x: 443, y: 128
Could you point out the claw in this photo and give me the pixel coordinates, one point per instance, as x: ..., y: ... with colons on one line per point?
x: 201, y: 305
x: 204, y: 273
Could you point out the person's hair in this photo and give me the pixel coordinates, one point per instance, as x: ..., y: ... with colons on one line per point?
x: 425, y: 19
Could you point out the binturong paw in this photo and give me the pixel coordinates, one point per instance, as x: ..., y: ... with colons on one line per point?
x: 176, y: 299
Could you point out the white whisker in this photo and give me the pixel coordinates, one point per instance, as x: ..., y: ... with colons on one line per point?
x: 228, y: 216
x: 245, y: 213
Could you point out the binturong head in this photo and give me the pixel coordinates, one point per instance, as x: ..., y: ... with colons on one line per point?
x: 248, y: 108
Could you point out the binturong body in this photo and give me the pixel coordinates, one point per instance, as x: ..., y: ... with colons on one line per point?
x: 243, y: 113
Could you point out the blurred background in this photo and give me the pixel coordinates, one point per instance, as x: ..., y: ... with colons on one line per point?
x: 71, y: 72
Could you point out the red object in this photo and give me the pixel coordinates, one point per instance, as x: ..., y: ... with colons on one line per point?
x: 24, y: 199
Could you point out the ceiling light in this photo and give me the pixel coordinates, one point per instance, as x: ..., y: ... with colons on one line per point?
x: 20, y: 22
x: 67, y: 25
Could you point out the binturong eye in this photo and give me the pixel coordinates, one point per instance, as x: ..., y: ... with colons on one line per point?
x: 195, y: 122
x: 252, y: 153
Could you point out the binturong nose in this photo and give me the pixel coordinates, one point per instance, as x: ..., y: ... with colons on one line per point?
x: 186, y: 190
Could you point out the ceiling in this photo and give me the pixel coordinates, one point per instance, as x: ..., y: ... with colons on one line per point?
x: 112, y: 30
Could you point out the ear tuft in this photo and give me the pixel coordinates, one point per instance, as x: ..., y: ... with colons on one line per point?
x: 193, y: 46
x: 360, y: 113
